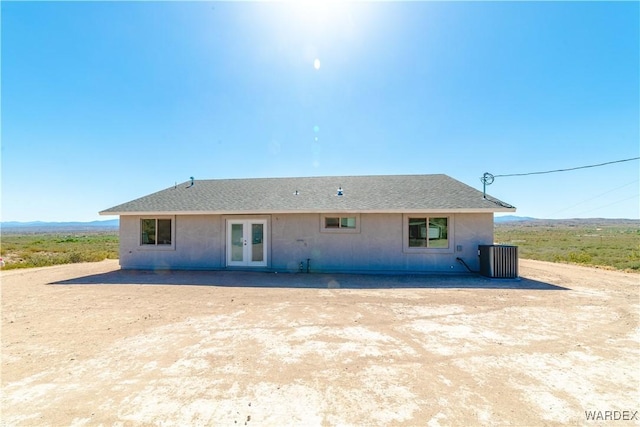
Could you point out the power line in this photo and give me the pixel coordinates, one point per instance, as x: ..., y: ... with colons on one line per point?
x: 610, y: 204
x: 594, y: 197
x: 487, y: 178
x: 568, y: 169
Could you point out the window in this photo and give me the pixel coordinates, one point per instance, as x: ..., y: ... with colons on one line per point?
x: 155, y: 231
x: 340, y: 224
x: 428, y: 232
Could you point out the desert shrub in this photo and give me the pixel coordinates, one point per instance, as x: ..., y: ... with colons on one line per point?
x: 579, y: 257
x: 75, y: 257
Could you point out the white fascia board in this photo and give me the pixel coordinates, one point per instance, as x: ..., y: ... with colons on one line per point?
x: 315, y: 211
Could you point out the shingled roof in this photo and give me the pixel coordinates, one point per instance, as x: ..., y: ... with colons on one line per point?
x: 382, y: 193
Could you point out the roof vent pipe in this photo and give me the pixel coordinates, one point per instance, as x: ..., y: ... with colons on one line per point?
x: 192, y: 182
x: 340, y: 191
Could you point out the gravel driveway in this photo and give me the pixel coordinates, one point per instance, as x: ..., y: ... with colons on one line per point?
x: 88, y: 344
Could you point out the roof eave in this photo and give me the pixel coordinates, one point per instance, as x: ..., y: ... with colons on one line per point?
x: 314, y: 211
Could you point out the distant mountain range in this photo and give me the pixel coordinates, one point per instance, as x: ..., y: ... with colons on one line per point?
x: 514, y: 220
x: 73, y: 225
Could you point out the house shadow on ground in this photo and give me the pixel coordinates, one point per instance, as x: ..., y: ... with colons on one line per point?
x: 306, y: 280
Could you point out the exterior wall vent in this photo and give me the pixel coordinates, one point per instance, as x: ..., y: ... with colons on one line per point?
x: 498, y: 261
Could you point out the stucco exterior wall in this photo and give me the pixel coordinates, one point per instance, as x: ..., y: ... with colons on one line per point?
x: 199, y: 242
x: 378, y: 247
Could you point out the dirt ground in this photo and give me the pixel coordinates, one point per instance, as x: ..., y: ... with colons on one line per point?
x: 89, y: 344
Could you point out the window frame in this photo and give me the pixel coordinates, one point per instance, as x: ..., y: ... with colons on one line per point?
x: 421, y: 249
x: 156, y: 245
x: 339, y: 229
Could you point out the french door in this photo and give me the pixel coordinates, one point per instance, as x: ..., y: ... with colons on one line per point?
x: 247, y: 242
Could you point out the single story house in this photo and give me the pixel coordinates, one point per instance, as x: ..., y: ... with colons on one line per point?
x: 395, y: 223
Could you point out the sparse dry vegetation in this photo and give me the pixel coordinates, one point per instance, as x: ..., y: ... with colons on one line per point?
x: 22, y: 250
x: 603, y: 244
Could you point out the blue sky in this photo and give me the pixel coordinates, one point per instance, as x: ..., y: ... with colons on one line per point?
x: 106, y: 102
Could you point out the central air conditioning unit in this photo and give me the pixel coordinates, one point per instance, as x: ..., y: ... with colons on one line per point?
x: 498, y: 261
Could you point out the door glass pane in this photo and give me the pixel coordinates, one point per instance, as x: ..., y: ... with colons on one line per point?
x: 257, y: 242
x: 237, y: 242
